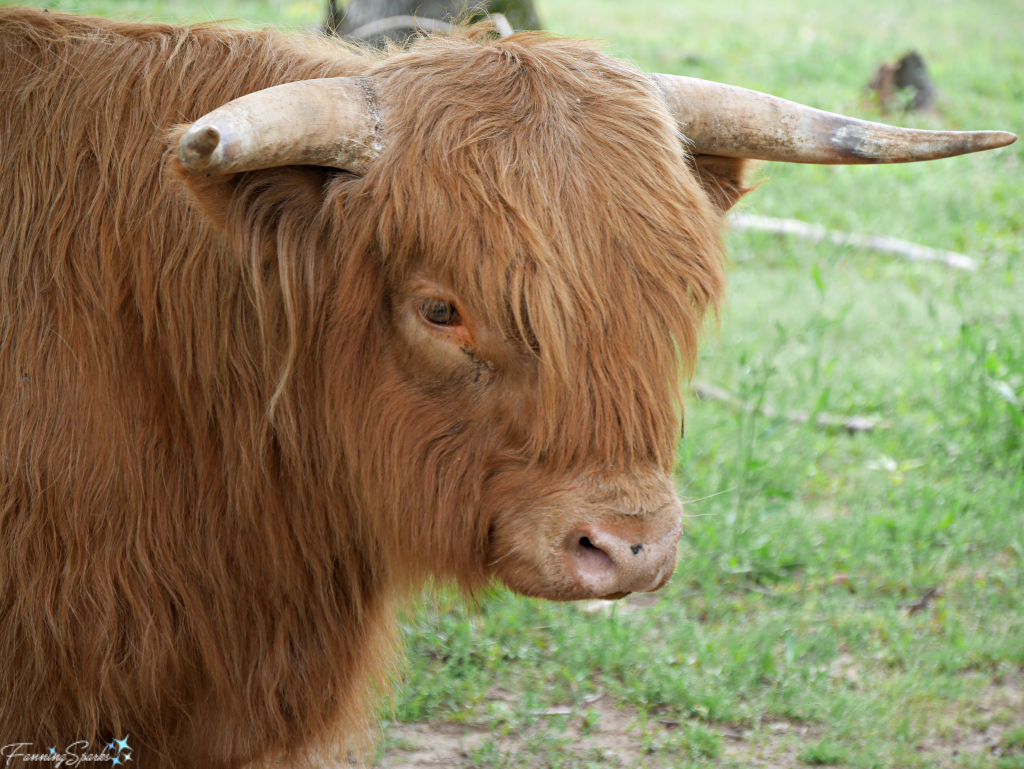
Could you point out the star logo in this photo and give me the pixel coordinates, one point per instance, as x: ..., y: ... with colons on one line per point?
x: 110, y: 746
x: 127, y: 757
x: 116, y: 761
x: 53, y: 751
x: 122, y: 744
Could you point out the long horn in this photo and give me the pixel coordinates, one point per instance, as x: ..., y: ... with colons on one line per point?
x: 734, y: 122
x: 332, y: 122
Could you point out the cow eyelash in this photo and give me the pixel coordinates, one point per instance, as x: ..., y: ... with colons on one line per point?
x: 438, y: 312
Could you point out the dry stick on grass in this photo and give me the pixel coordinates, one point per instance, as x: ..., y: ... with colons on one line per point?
x: 883, y: 243
x: 854, y: 424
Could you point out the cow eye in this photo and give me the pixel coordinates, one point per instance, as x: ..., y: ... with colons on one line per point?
x: 440, y: 313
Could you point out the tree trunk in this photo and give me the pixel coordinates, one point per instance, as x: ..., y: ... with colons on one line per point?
x: 358, y: 14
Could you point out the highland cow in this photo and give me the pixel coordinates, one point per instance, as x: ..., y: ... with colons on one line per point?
x: 370, y: 320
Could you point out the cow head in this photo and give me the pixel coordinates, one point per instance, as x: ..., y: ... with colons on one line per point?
x: 517, y: 255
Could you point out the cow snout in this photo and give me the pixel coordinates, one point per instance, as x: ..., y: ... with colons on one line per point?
x: 590, y: 537
x: 629, y: 556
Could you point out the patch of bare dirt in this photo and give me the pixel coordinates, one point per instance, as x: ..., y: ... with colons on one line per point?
x: 612, y: 734
x: 774, y: 744
x: 430, y: 745
x: 975, y: 726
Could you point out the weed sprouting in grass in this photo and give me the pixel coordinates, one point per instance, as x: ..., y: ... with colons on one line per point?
x: 823, y: 754
x: 1013, y: 741
x: 990, y: 370
x: 757, y: 371
x: 683, y: 739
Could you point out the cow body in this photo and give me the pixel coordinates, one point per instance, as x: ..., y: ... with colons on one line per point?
x: 149, y: 516
x: 227, y: 448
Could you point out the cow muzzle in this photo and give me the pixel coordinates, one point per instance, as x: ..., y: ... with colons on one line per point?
x: 588, y: 537
x: 632, y: 555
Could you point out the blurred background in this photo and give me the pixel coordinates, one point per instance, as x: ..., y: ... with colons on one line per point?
x: 849, y: 593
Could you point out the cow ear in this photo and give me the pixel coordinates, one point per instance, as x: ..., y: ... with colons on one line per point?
x: 723, y: 179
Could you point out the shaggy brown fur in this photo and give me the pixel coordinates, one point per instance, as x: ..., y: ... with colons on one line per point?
x: 220, y: 460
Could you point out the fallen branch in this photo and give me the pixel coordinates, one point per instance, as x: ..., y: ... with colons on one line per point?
x: 852, y: 424
x: 882, y: 243
x: 923, y: 602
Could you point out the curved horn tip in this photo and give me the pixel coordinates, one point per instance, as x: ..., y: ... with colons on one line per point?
x: 1001, y: 139
x: 197, y: 145
x: 734, y: 122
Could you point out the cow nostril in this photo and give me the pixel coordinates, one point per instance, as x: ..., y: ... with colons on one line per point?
x: 593, y: 559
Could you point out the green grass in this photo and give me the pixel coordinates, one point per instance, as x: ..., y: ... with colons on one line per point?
x: 754, y: 631
x: 822, y: 754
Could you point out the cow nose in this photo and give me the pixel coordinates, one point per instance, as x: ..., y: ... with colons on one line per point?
x: 613, y: 560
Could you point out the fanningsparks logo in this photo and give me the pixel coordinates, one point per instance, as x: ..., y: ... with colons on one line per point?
x: 117, y: 753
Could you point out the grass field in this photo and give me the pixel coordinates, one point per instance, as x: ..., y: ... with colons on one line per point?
x: 848, y: 600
